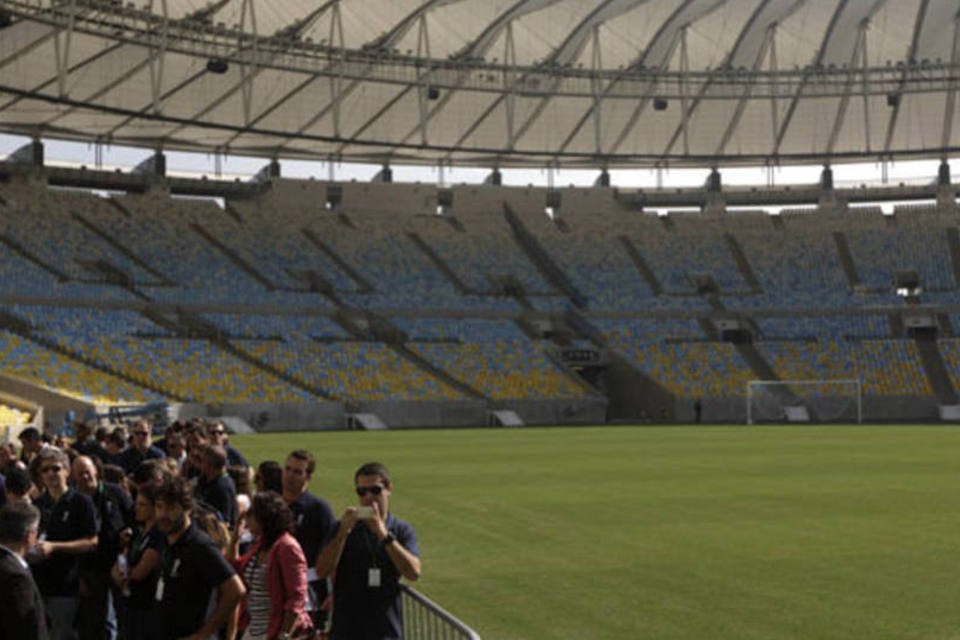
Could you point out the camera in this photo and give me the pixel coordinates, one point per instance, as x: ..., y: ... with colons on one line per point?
x: 364, y: 513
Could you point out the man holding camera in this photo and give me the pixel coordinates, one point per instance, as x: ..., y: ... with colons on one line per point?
x: 369, y: 551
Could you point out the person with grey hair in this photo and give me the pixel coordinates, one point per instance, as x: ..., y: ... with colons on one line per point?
x: 21, y: 605
x: 68, y: 531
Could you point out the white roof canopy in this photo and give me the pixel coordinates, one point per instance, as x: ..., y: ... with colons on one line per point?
x: 612, y: 83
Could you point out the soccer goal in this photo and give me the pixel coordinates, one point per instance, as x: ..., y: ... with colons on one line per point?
x: 804, y: 401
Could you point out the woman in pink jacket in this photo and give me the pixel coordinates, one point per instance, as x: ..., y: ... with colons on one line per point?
x: 274, y: 572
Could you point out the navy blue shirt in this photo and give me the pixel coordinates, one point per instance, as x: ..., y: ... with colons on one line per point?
x: 220, y: 495
x: 131, y: 457
x: 72, y: 517
x: 362, y: 611
x: 313, y: 522
x: 192, y: 570
x: 234, y: 457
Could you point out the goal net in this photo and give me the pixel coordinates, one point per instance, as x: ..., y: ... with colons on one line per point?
x: 771, y: 401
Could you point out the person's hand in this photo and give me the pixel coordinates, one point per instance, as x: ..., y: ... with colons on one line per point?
x: 44, y: 549
x: 348, y: 520
x: 376, y: 524
x: 125, y: 537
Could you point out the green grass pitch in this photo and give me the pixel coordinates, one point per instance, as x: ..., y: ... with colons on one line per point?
x: 674, y: 532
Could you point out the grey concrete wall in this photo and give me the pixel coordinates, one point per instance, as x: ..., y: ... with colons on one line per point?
x: 55, y: 405
x: 875, y: 409
x: 266, y: 417
x: 401, y: 414
x: 559, y: 411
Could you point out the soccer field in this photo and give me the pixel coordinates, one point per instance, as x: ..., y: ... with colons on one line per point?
x: 671, y: 532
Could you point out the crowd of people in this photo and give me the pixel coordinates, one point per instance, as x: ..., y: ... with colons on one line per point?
x: 112, y: 536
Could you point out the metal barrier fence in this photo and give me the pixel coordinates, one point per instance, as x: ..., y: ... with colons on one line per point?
x: 423, y: 619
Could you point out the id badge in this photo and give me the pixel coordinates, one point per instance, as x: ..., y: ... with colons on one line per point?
x: 159, y: 595
x: 373, y: 577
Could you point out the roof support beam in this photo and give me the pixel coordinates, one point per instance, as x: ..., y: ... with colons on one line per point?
x: 568, y: 51
x: 293, y: 32
x: 767, y: 15
x: 480, y: 45
x: 778, y: 140
x: 949, y: 112
x: 97, y: 56
x: 26, y: 50
x: 248, y: 72
x: 911, y: 55
x: 62, y: 51
x: 742, y: 100
x: 858, y: 48
x: 596, y: 64
x: 663, y: 44
x: 157, y: 62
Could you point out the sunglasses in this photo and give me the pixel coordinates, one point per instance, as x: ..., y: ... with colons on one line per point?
x: 56, y: 468
x: 217, y: 433
x: 375, y: 490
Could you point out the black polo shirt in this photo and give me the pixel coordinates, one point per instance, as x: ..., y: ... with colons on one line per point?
x: 220, y: 495
x: 114, y: 510
x: 191, y: 570
x: 143, y: 593
x: 131, y: 457
x: 362, y: 611
x: 72, y: 517
x: 313, y: 522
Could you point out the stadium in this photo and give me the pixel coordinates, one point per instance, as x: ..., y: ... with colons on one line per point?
x: 431, y: 322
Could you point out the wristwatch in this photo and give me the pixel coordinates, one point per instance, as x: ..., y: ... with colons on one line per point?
x: 390, y: 538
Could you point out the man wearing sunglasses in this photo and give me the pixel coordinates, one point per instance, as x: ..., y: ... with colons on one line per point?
x: 369, y: 551
x: 141, y: 448
x: 68, y: 531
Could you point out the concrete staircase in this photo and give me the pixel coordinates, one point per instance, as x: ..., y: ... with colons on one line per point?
x: 541, y: 259
x: 641, y: 264
x: 743, y: 264
x: 233, y: 257
x: 439, y: 263
x: 364, y: 284
x: 846, y: 259
x: 936, y: 371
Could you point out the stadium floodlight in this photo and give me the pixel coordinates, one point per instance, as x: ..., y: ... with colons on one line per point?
x: 777, y: 401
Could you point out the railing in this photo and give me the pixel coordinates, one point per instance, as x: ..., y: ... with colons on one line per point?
x: 425, y: 619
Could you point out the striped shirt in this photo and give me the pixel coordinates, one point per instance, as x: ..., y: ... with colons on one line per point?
x: 258, y: 599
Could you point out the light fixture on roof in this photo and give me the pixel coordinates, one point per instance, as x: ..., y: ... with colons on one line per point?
x: 217, y: 65
x: 893, y: 99
x: 6, y: 19
x: 660, y: 104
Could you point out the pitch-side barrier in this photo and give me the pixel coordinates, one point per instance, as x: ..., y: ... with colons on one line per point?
x: 424, y: 619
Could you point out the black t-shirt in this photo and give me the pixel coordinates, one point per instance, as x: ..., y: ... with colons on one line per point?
x: 221, y: 496
x: 114, y: 510
x: 143, y: 593
x: 72, y: 517
x: 360, y: 610
x: 313, y: 522
x: 192, y: 570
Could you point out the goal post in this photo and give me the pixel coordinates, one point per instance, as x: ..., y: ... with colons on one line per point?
x: 804, y: 401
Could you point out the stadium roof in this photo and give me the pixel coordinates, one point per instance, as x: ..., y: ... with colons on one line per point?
x: 616, y: 83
